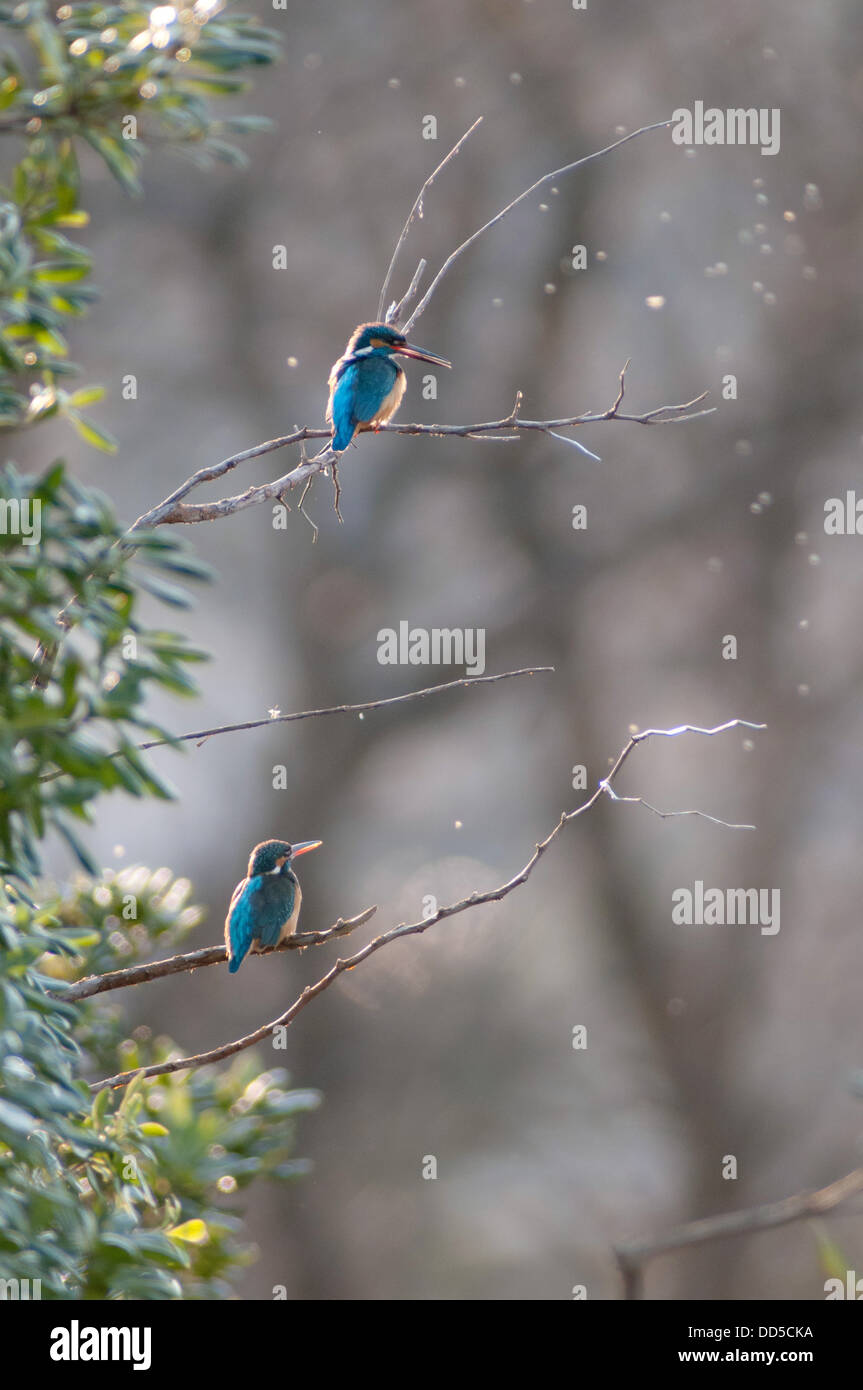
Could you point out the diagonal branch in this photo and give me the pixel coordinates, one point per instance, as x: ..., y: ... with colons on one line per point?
x: 499, y: 216
x: 196, y: 960
x: 404, y: 929
x: 395, y: 311
x: 605, y: 783
x: 156, y: 515
x: 633, y: 1256
x: 416, y: 211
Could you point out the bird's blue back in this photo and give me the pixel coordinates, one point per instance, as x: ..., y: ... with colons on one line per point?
x: 259, y: 909
x: 362, y: 385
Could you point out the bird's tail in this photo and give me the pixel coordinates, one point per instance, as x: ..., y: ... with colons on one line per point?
x: 339, y: 442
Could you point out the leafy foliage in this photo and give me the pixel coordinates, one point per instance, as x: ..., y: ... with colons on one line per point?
x: 128, y: 1194
x: 131, y: 1193
x: 117, y: 79
x: 64, y: 744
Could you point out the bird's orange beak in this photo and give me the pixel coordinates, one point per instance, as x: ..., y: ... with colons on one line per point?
x: 422, y: 356
x: 304, y: 846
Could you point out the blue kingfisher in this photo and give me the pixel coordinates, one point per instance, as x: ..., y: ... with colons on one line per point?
x: 367, y: 384
x: 265, y: 905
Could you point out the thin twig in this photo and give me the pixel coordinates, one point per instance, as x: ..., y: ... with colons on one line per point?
x: 362, y: 708
x: 473, y: 900
x: 498, y: 217
x: 417, y: 209
x: 633, y: 1256
x: 201, y: 735
x: 395, y: 311
x: 301, y: 508
x: 337, y: 491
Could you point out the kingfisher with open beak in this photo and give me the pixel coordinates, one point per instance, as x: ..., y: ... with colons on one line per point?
x: 265, y: 905
x: 367, y: 384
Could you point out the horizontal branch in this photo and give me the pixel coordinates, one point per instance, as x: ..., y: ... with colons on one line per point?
x: 404, y: 929
x: 195, y: 960
x: 201, y: 735
x: 173, y: 511
x: 633, y: 1256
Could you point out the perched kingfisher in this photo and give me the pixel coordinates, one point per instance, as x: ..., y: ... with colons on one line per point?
x: 265, y: 904
x: 367, y: 384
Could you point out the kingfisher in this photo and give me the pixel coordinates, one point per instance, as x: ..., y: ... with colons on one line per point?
x: 367, y: 384
x: 265, y: 904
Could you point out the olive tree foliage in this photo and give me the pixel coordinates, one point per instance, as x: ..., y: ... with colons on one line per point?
x: 131, y: 1194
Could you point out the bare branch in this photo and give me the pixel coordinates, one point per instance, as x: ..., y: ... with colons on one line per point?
x: 461, y: 683
x: 474, y: 900
x: 573, y: 443
x: 156, y: 515
x: 605, y: 783
x: 195, y: 960
x: 633, y: 1256
x: 173, y: 511
x: 201, y: 735
x: 498, y: 217
x: 416, y: 211
x: 667, y: 815
x: 395, y: 311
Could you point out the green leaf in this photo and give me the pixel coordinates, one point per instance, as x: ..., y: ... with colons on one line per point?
x: 84, y: 857
x: 9, y: 91
x: 88, y: 395
x: 245, y: 125
x: 193, y: 1232
x: 56, y: 273
x: 99, y: 438
x: 833, y: 1262
x: 15, y: 1117
x: 122, y: 165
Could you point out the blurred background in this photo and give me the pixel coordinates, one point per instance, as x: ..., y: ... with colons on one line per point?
x: 702, y: 1041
